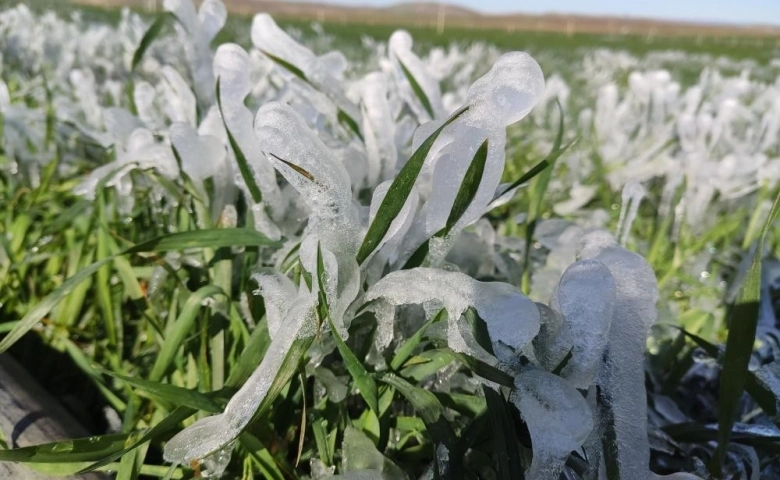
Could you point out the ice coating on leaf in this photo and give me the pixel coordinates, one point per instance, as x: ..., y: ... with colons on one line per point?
x: 633, y: 193
x: 559, y: 420
x: 213, y: 433
x: 400, y: 224
x: 199, y: 28
x: 181, y: 105
x: 378, y: 129
x: 278, y: 294
x: 582, y: 308
x: 301, y: 157
x: 400, y: 49
x: 204, y: 157
x: 272, y: 40
x: 501, y: 97
x: 231, y: 66
x: 512, y: 320
x: 622, y: 379
x: 141, y: 151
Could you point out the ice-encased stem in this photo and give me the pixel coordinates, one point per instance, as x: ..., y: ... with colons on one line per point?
x: 210, y: 434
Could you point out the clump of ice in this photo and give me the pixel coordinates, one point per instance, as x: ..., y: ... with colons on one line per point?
x: 621, y: 378
x: 558, y: 418
x: 212, y: 434
x: 511, y: 319
x: 578, y: 322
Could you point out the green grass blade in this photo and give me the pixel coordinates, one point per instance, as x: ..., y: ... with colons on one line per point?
x: 468, y: 187
x: 243, y: 164
x: 739, y: 345
x: 405, y: 351
x: 398, y: 193
x: 428, y: 407
x: 183, y: 326
x: 170, y: 393
x: 166, y: 425
x: 504, y: 438
x: 67, y: 451
x: 177, y: 241
x: 363, y: 380
x: 418, y: 91
x: 151, y: 34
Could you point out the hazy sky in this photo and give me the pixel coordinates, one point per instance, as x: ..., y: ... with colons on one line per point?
x: 730, y: 11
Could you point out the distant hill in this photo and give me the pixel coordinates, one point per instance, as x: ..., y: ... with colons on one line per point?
x: 435, y: 14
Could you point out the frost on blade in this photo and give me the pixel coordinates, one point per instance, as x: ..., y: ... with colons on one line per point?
x: 211, y: 434
x: 301, y: 157
x: 278, y: 294
x: 203, y: 157
x: 511, y: 319
x: 317, y: 71
x: 633, y: 193
x: 426, y: 103
x: 379, y: 129
x: 623, y: 402
x: 559, y: 420
x: 198, y: 29
x: 503, y: 96
x: 231, y: 66
x: 578, y: 322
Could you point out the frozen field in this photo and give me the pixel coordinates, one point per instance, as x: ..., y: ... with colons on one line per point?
x: 318, y: 251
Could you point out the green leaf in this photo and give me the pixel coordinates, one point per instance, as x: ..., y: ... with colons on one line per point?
x: 151, y: 34
x: 405, y: 351
x: 243, y: 164
x: 505, y: 444
x: 289, y: 66
x: 166, y: 425
x: 468, y: 187
x: 398, y: 193
x: 417, y: 89
x: 743, y: 321
x: 177, y: 331
x: 215, y: 238
x: 67, y: 451
x: 170, y: 393
x: 363, y: 380
x: 482, y: 369
x: 427, y: 405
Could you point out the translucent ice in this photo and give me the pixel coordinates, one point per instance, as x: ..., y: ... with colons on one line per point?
x: 318, y: 71
x: 231, y: 66
x: 558, y: 418
x: 512, y: 320
x: 324, y: 184
x: 199, y: 29
x: 211, y: 434
x: 501, y: 97
x: 579, y: 321
x: 400, y: 49
x: 622, y: 378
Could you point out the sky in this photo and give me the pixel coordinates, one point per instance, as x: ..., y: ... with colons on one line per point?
x: 724, y: 11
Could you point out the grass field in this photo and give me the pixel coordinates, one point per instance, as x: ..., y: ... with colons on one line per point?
x: 271, y: 276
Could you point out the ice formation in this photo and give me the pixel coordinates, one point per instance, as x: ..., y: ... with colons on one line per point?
x: 558, y: 418
x: 621, y: 379
x: 511, y: 319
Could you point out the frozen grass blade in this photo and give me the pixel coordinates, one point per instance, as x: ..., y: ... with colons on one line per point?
x: 398, y: 193
x: 743, y: 321
x: 363, y: 380
x: 468, y: 187
x: 168, y: 424
x: 150, y: 36
x: 243, y: 163
x: 418, y: 91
